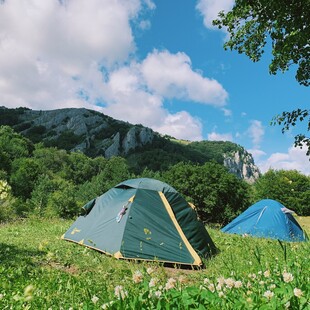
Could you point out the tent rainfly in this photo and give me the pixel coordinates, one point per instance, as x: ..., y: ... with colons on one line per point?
x: 143, y: 219
x: 268, y: 219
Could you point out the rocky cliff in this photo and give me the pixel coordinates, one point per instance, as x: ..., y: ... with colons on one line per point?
x: 96, y: 134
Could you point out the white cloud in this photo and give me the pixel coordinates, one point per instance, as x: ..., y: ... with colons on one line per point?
x: 227, y: 112
x: 43, y: 44
x: 171, y: 76
x: 256, y: 132
x: 214, y: 136
x: 76, y: 53
x: 294, y: 159
x: 209, y: 9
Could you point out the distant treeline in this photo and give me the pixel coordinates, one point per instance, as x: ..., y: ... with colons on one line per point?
x: 47, y: 181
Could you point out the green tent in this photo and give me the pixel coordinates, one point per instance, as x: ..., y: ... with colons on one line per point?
x: 143, y: 219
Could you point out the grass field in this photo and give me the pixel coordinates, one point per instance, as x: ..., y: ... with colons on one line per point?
x: 38, y: 270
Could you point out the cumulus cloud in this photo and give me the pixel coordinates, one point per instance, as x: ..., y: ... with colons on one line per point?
x: 209, y: 9
x: 171, y: 76
x: 78, y: 53
x: 256, y: 132
x: 214, y: 136
x: 294, y: 159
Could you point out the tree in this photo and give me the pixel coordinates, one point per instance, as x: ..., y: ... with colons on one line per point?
x: 251, y: 23
x: 289, y: 119
x: 289, y: 187
x: 218, y: 195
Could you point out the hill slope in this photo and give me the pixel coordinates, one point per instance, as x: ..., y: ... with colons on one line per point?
x: 96, y: 134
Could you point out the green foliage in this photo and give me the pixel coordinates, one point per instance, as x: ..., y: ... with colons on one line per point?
x: 218, y: 195
x: 291, y: 188
x: 289, y: 120
x: 251, y: 23
x: 25, y: 172
x: 12, y: 146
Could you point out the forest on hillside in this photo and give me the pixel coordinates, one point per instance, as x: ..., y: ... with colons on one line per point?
x: 51, y: 182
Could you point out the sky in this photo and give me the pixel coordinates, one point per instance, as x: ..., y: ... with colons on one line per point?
x: 159, y: 63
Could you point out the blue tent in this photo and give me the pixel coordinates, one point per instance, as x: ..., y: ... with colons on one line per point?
x: 268, y: 219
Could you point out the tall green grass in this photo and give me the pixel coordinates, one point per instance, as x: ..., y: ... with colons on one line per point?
x: 38, y: 270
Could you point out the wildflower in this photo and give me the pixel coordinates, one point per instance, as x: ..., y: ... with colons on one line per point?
x: 150, y: 270
x: 248, y: 285
x: 238, y: 284
x: 229, y: 282
x: 221, y: 294
x: 218, y: 287
x: 249, y: 292
x: 211, y: 287
x: 298, y: 292
x: 107, y: 305
x: 268, y: 294
x: 287, y: 277
x: 206, y: 281
x: 249, y: 300
x: 260, y: 272
x: 157, y: 294
x: 267, y: 274
x: 252, y: 276
x: 261, y: 282
x: 182, y: 279
x: 137, y: 276
x: 153, y: 282
x: 120, y: 293
x: 94, y: 299
x: 170, y: 284
x: 272, y: 286
x: 221, y: 280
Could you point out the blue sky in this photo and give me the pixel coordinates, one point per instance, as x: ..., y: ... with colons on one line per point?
x: 158, y: 63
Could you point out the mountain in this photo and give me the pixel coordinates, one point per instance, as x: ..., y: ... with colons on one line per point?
x: 96, y: 134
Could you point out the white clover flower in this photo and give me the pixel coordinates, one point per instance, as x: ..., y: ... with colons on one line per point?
x: 150, y: 270
x: 238, y: 284
x: 221, y: 294
x: 153, y: 282
x: 229, y: 282
x: 120, y: 293
x: 298, y: 292
x: 260, y: 272
x: 248, y: 285
x: 137, y: 276
x: 221, y: 281
x: 287, y: 277
x: 157, y: 294
x: 261, y: 282
x: 218, y: 287
x: 170, y: 283
x: 182, y: 279
x: 268, y: 294
x: 94, y: 299
x: 107, y: 305
x: 206, y: 281
x: 249, y: 292
x: 252, y: 276
x: 272, y: 286
x: 249, y: 300
x: 267, y: 273
x: 211, y: 287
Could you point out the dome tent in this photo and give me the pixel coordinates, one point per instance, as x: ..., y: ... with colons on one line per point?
x: 143, y: 219
x: 268, y: 219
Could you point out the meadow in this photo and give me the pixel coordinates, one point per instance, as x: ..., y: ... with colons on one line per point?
x: 38, y: 270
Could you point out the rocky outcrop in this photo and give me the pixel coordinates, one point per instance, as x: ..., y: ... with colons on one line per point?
x: 241, y: 164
